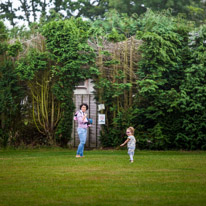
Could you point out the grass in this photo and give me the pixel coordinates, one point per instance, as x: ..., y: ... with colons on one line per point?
x: 54, y: 177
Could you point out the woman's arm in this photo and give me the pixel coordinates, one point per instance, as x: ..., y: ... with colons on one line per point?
x: 125, y: 142
x: 85, y: 115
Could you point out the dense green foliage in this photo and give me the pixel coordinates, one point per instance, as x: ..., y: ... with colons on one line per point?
x: 161, y: 73
x: 171, y: 85
x: 115, y: 26
x: 11, y: 92
x: 168, y: 109
x: 193, y: 95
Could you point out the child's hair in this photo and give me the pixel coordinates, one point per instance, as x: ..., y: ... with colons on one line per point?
x: 131, y: 129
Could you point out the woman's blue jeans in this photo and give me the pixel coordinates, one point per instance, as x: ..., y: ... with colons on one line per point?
x: 82, y: 132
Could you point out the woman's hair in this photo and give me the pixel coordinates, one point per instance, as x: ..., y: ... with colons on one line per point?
x: 84, y: 104
x: 131, y: 129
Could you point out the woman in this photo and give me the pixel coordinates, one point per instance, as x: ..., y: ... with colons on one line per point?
x: 82, y: 128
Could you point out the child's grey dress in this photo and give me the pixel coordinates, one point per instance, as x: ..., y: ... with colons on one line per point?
x: 131, y: 145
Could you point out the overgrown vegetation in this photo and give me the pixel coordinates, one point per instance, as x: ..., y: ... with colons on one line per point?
x: 149, y: 71
x: 50, y: 67
x: 153, y: 94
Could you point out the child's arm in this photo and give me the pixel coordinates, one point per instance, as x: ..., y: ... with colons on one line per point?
x: 125, y: 142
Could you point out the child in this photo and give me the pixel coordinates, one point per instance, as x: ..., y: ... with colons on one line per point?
x: 131, y: 142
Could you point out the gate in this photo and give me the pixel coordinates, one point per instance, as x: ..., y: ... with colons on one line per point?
x: 93, y: 131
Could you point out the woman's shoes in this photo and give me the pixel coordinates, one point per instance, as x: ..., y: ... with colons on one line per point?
x: 77, y: 156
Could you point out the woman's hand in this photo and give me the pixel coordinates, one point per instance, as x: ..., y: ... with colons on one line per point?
x: 84, y: 117
x: 121, y: 145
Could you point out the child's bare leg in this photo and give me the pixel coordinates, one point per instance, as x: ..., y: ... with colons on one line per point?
x: 131, y: 157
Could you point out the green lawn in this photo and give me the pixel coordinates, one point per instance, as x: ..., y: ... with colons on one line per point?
x: 54, y: 177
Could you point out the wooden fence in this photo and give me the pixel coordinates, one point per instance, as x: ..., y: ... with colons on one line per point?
x: 93, y: 131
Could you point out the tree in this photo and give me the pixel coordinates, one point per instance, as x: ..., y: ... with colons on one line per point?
x: 192, y: 99
x: 161, y: 72
x: 96, y: 9
x: 34, y: 69
x: 31, y: 10
x: 8, y: 12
